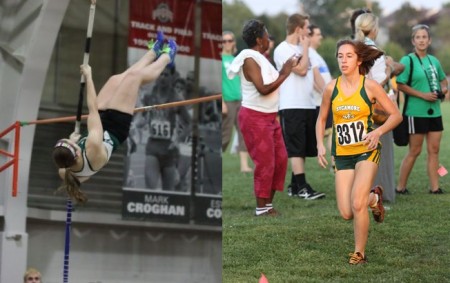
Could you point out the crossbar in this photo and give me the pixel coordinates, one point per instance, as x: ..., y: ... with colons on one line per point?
x: 140, y: 109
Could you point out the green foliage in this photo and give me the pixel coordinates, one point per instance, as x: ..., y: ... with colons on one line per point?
x: 443, y: 55
x: 400, y: 32
x: 328, y: 51
x: 277, y: 27
x: 310, y: 242
x: 442, y: 27
x: 439, y: 36
x: 333, y: 16
x: 234, y: 16
x: 394, y: 50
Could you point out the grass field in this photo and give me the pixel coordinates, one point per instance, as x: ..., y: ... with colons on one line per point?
x: 310, y: 242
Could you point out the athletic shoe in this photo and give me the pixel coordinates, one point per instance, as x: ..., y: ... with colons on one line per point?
x: 171, y: 49
x: 261, y: 211
x: 273, y: 212
x: 292, y: 190
x: 156, y: 44
x: 356, y: 258
x: 307, y: 192
x: 437, y: 192
x: 269, y: 212
x: 378, y: 209
x: 402, y: 192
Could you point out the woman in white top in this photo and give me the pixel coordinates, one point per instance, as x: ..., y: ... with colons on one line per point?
x: 366, y: 30
x: 257, y: 115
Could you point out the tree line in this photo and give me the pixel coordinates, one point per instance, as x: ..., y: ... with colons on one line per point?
x: 333, y: 18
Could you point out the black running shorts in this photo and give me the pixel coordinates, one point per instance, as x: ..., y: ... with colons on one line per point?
x: 116, y: 123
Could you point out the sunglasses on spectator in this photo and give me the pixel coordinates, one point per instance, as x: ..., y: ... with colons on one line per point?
x: 420, y: 26
x: 228, y: 40
x: 33, y: 278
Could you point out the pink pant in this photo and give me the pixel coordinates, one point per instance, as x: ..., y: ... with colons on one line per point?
x: 265, y: 144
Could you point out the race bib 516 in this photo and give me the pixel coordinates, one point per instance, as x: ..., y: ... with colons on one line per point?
x: 160, y: 129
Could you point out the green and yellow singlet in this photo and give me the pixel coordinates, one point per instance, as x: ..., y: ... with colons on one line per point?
x: 352, y: 120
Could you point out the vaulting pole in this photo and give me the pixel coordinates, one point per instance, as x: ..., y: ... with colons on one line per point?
x: 87, y: 48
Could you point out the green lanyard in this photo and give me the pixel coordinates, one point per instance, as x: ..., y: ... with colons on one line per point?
x: 433, y: 89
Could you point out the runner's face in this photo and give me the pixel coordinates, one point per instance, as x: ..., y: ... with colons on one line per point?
x: 347, y: 59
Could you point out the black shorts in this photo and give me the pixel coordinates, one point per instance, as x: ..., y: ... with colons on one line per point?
x: 329, y: 122
x: 116, y: 123
x: 419, y: 125
x: 299, y: 132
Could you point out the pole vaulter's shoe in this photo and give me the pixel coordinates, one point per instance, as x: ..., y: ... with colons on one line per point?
x: 156, y: 44
x: 171, y: 49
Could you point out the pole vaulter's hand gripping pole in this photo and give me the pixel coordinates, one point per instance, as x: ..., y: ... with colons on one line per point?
x: 85, y: 62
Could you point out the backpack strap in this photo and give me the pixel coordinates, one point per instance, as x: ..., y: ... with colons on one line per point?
x: 411, y: 66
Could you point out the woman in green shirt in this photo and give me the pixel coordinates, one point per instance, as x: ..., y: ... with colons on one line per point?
x: 427, y: 88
